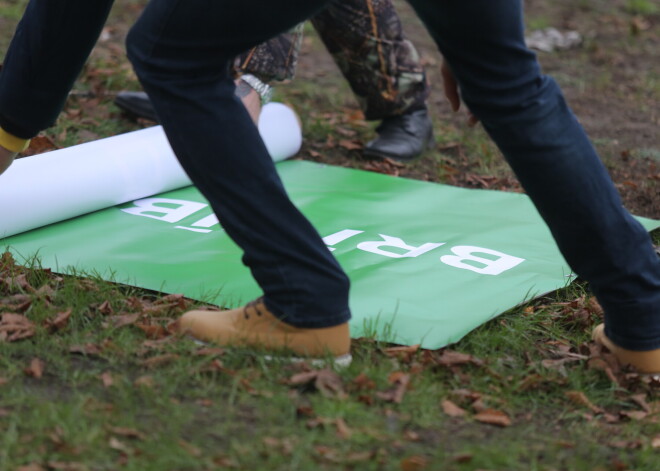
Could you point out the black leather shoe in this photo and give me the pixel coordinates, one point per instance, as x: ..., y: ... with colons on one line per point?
x: 137, y: 104
x: 402, y: 138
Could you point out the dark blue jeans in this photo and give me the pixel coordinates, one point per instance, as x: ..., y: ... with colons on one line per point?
x: 181, y: 50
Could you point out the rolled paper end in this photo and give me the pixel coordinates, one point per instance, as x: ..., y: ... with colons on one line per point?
x: 280, y: 130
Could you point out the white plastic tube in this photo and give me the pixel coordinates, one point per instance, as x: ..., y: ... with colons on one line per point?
x: 66, y: 183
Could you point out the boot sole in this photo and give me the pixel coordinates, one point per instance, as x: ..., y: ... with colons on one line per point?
x: 341, y: 361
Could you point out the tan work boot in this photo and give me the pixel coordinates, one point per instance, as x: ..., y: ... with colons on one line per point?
x: 645, y: 362
x: 255, y: 326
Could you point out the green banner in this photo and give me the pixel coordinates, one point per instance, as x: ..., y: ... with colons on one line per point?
x: 428, y: 262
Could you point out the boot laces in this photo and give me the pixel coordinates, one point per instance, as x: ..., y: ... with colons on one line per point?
x: 254, y: 304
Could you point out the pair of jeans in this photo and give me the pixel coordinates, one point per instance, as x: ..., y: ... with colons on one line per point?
x: 182, y: 51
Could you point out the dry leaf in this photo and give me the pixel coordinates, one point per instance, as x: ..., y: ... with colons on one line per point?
x: 655, y: 442
x: 493, y: 417
x: 87, y: 349
x: 36, y: 368
x: 153, y: 331
x: 400, y: 381
x: 404, y: 353
x: 127, y: 432
x: 31, y: 467
x: 191, y: 449
x: 160, y: 360
x: 640, y: 400
x: 363, y: 383
x: 414, y: 463
x: 66, y: 466
x: 39, y: 145
x: 146, y: 381
x: 580, y: 399
x: 105, y: 308
x: 123, y: 320
x: 353, y: 144
x: 60, y: 321
x: 342, y: 429
x: 452, y: 358
x: 462, y: 458
x: 451, y: 409
x: 210, y: 351
x: 326, y: 381
x: 115, y: 444
x: 106, y: 379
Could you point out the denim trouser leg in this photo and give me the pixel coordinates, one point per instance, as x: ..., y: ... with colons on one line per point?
x: 45, y: 57
x: 525, y: 114
x: 181, y: 50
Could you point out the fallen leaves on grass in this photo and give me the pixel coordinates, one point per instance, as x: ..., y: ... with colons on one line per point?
x: 16, y: 303
x: 39, y: 145
x: 386, y: 166
x: 15, y: 327
x: 351, y: 144
x: 400, y: 382
x: 343, y: 431
x: 451, y: 358
x: 159, y: 360
x: 404, y: 353
x: 325, y: 381
x: 59, y: 322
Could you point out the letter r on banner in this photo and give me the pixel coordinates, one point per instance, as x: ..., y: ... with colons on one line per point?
x: 465, y: 258
x: 175, y: 212
x: 395, y: 242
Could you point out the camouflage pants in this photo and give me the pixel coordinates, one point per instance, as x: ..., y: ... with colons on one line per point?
x: 366, y: 40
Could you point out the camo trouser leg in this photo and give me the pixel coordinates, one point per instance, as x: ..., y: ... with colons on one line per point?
x: 366, y: 40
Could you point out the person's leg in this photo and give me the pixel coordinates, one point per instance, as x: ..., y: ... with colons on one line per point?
x: 273, y: 60
x: 182, y: 51
x: 50, y: 47
x: 526, y: 115
x: 366, y: 40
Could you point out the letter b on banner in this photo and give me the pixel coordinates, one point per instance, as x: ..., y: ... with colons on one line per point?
x: 465, y: 258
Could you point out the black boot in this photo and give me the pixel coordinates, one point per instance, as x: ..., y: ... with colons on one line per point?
x: 137, y: 104
x: 403, y: 137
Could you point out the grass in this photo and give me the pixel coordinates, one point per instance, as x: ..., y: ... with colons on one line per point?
x: 110, y: 397
x: 166, y: 406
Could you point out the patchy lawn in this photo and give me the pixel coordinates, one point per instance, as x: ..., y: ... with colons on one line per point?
x: 91, y: 379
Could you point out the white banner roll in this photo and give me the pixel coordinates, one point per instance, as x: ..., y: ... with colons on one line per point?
x: 66, y: 183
